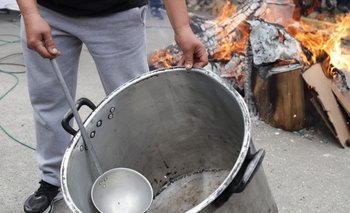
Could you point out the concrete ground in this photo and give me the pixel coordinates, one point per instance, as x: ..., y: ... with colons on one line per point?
x: 307, y: 170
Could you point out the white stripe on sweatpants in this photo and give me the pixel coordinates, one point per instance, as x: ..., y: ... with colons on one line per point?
x: 117, y: 44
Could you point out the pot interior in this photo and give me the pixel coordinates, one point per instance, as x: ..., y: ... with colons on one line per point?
x: 183, y: 130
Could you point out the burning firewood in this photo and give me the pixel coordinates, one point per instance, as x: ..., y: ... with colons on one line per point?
x: 277, y: 87
x: 265, y: 60
x: 274, y: 50
x: 225, y: 39
x: 213, y: 34
x: 324, y: 39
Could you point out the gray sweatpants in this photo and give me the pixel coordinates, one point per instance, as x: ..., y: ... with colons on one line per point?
x: 117, y: 44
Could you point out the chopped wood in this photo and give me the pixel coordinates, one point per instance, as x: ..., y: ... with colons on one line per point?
x: 211, y: 33
x: 280, y: 100
x: 248, y: 81
x: 267, y: 71
x: 289, y: 112
x: 247, y: 10
x: 262, y: 93
x: 270, y: 44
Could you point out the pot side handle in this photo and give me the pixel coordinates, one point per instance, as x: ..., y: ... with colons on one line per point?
x: 245, y: 174
x: 250, y: 166
x: 69, y: 114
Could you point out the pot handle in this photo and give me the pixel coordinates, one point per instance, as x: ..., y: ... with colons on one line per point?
x: 69, y: 114
x: 245, y: 174
x: 250, y: 166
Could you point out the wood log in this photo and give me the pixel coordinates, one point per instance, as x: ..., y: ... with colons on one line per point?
x: 280, y: 100
x: 289, y: 108
x: 216, y: 31
x: 247, y: 10
x: 261, y: 95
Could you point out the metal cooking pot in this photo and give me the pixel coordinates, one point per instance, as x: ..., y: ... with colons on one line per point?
x: 187, y: 132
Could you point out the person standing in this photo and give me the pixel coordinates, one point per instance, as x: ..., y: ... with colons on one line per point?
x: 114, y: 34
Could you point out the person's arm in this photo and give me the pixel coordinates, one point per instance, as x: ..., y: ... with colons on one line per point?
x: 38, y: 31
x: 194, y: 52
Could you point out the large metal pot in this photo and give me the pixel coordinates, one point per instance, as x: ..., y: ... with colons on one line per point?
x: 187, y: 132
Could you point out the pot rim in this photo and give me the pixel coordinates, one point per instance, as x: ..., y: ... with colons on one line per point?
x: 238, y: 164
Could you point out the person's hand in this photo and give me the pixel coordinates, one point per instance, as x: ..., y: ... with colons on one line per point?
x: 38, y: 34
x: 194, y: 52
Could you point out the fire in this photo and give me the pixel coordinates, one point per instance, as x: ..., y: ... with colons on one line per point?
x: 228, y: 42
x: 320, y: 43
x: 232, y: 43
x: 164, y: 57
x: 227, y: 10
x: 324, y: 42
x: 311, y: 39
x: 333, y: 46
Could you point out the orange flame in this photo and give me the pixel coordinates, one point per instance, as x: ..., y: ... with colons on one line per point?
x: 333, y: 46
x: 319, y: 42
x: 227, y: 10
x: 163, y: 58
x: 313, y: 41
x: 229, y: 42
x: 232, y: 43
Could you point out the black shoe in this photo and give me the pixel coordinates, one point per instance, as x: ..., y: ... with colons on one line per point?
x: 43, y: 199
